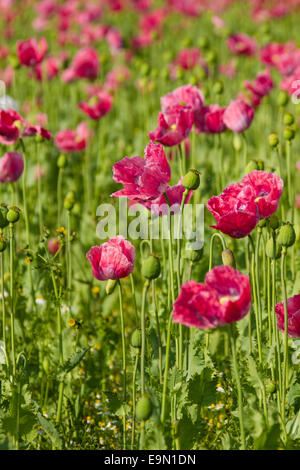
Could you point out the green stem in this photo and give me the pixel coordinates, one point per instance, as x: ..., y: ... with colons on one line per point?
x: 123, y: 360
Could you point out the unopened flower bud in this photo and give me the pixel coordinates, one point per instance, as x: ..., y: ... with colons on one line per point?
x: 286, y: 235
x: 143, y: 409
x: 273, y: 221
x: 289, y: 133
x: 69, y: 201
x: 228, y: 258
x: 237, y: 142
x: 151, y: 267
x: 110, y: 286
x: 13, y: 214
x: 251, y: 166
x: 192, y: 255
x: 3, y: 216
x: 191, y: 180
x: 270, y: 386
x: 273, y: 250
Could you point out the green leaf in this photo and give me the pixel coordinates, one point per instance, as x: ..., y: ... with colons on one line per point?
x: 72, y: 362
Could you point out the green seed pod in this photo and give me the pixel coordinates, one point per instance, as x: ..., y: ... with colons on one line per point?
x: 289, y: 133
x: 13, y: 214
x: 288, y: 119
x: 191, y: 180
x: 151, y: 267
x: 110, y: 286
x: 62, y: 161
x: 136, y: 338
x: 143, y: 409
x: 262, y: 223
x: 76, y: 209
x: 3, y: 243
x: 270, y: 386
x: 211, y: 57
x: 286, y: 235
x: 228, y: 258
x: 3, y: 216
x: 237, y: 142
x: 251, y: 166
x: 270, y: 249
x: 282, y: 98
x: 69, y: 201
x: 274, y: 221
x: 273, y: 140
x: 218, y: 87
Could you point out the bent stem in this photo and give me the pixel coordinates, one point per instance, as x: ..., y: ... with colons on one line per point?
x: 211, y: 246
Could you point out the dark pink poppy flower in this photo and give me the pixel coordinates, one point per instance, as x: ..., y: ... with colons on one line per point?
x: 174, y: 125
x: 53, y: 245
x: 31, y: 52
x: 11, y: 167
x: 186, y: 95
x: 85, y: 64
x: 238, y: 116
x: 37, y: 130
x: 242, y: 44
x: 112, y: 260
x: 223, y: 298
x: 266, y: 190
x: 98, y: 106
x: 242, y: 205
x: 214, y: 119
x: 271, y: 53
x: 10, y: 122
x: 143, y: 178
x: 261, y: 85
x: 293, y: 311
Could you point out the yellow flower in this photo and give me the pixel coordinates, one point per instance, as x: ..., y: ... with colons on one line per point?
x: 95, y: 289
x: 71, y: 322
x: 27, y: 260
x: 61, y: 230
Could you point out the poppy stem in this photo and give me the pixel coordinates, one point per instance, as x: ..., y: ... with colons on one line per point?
x: 211, y: 246
x: 285, y: 355
x: 123, y: 361
x: 256, y: 308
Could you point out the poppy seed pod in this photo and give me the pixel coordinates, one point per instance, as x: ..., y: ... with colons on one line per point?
x: 273, y: 140
x: 286, y: 235
x: 273, y: 221
x: 270, y: 249
x: 288, y: 119
x: 237, y: 142
x: 191, y: 180
x: 143, y: 408
x: 251, y: 166
x: 13, y: 214
x: 282, y: 98
x: 62, y: 161
x: 270, y: 386
x: 289, y: 133
x: 151, y: 267
x: 193, y: 255
x: 110, y: 286
x: 3, y: 216
x: 3, y: 243
x: 69, y: 201
x: 136, y: 338
x: 228, y: 258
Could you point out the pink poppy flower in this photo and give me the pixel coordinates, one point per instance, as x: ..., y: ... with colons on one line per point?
x: 143, y: 178
x: 214, y: 119
x: 11, y: 167
x: 293, y: 311
x: 112, y: 260
x: 37, y: 130
x: 97, y: 106
x: 31, y: 52
x: 238, y: 116
x: 223, y: 298
x: 85, y: 64
x: 261, y: 85
x: 72, y: 141
x: 186, y: 95
x: 240, y: 43
x: 174, y: 125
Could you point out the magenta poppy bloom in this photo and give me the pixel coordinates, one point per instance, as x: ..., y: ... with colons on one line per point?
x: 242, y: 205
x: 112, y: 260
x: 85, y: 64
x: 214, y: 122
x: 68, y: 141
x: 9, y: 130
x: 144, y: 179
x: 261, y: 85
x: 174, y: 125
x: 266, y: 188
x: 293, y: 311
x: 37, y: 130
x: 31, y: 52
x: 11, y: 167
x: 186, y: 95
x: 97, y: 106
x: 238, y: 116
x: 240, y: 43
x: 223, y: 298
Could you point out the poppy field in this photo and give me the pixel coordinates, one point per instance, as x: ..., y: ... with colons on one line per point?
x: 150, y: 225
